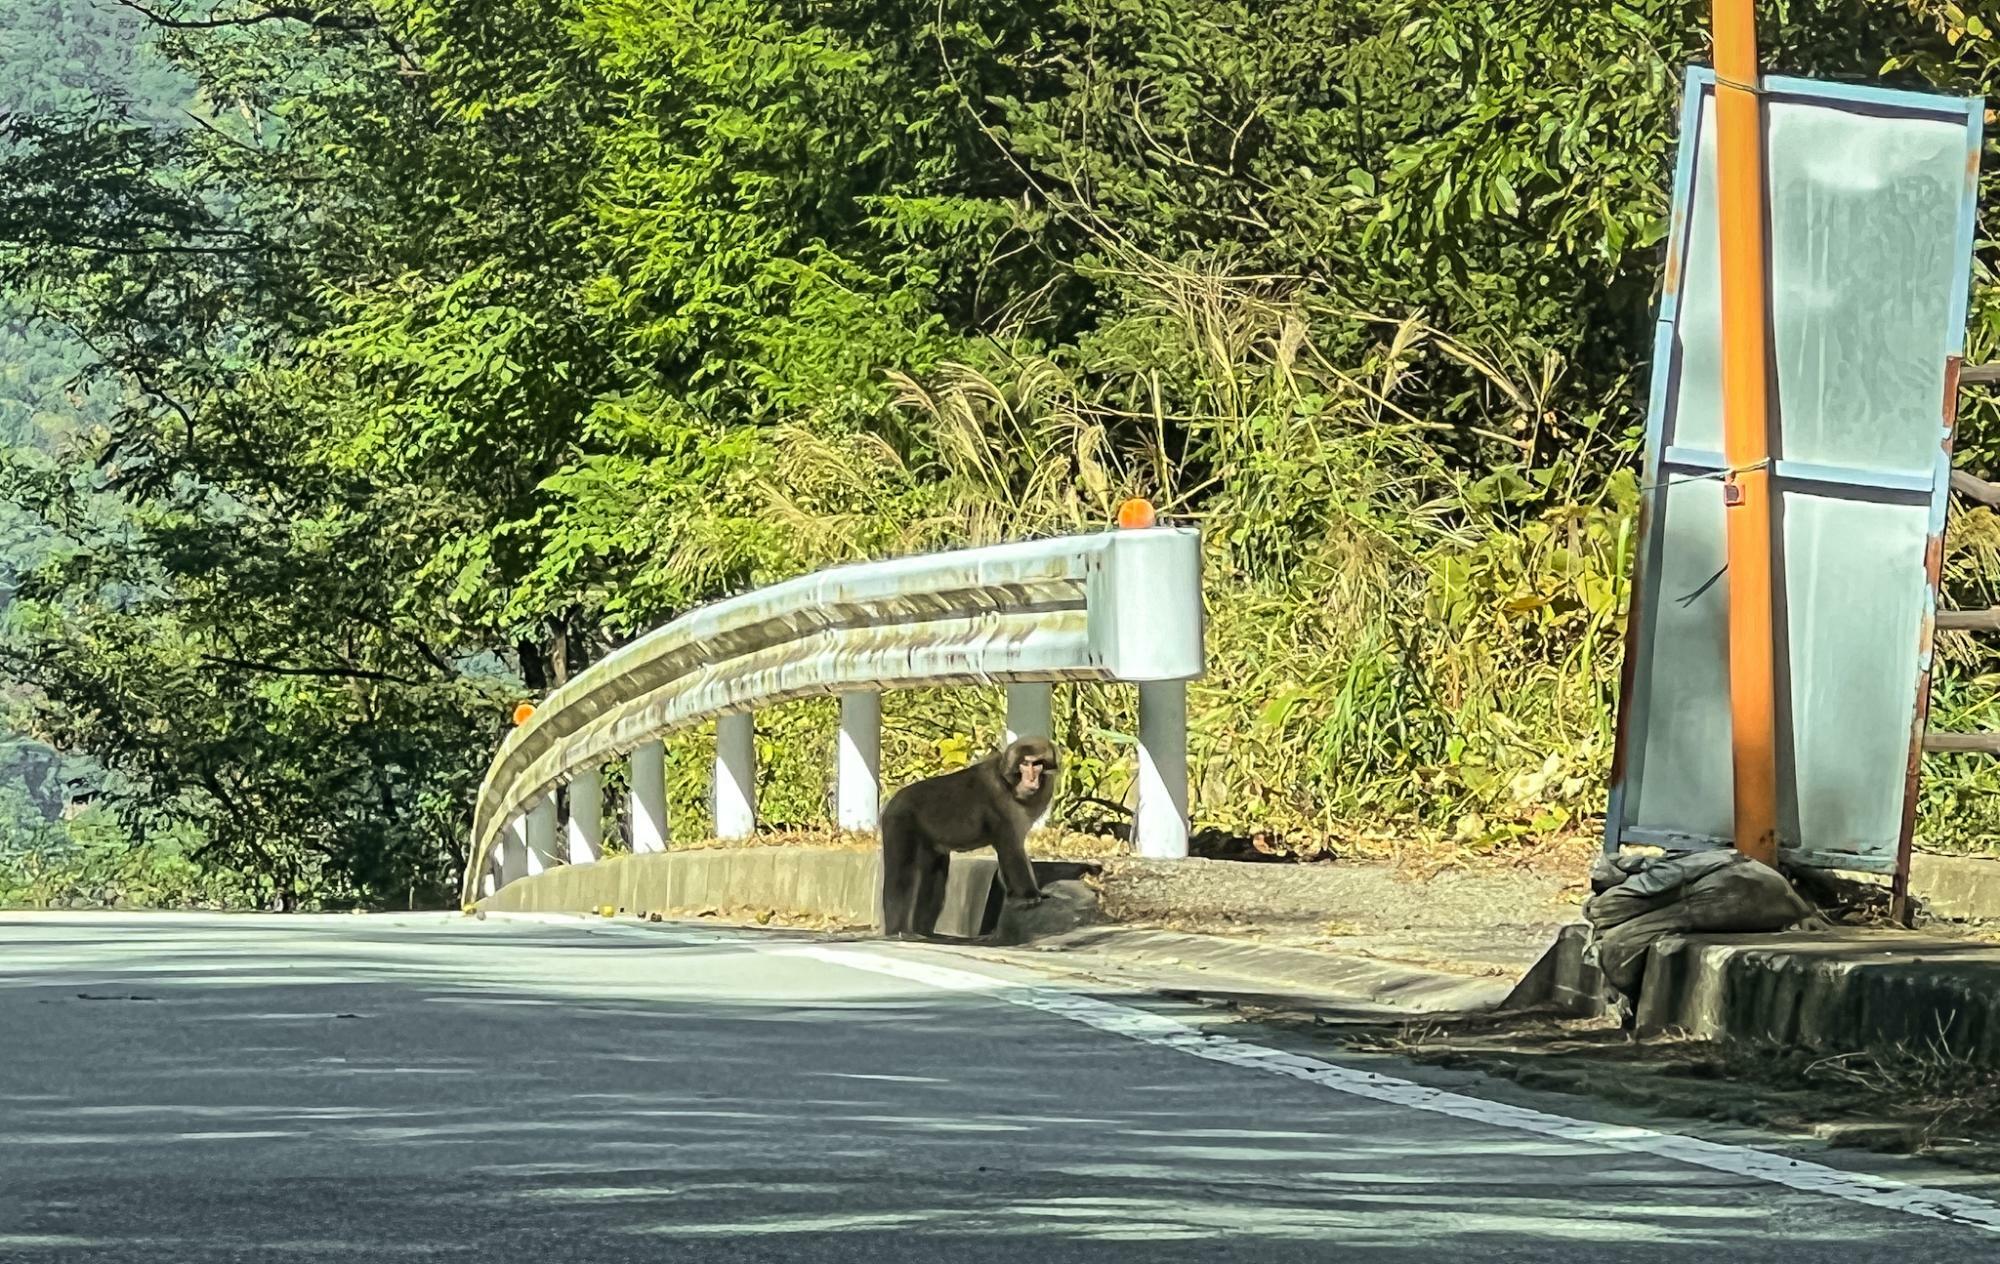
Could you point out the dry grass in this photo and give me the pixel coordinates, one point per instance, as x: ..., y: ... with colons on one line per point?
x: 1413, y: 652
x: 1925, y: 1100
x: 1394, y: 644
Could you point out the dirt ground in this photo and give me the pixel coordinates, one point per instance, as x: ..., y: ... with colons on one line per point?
x: 1490, y: 917
x: 1493, y: 918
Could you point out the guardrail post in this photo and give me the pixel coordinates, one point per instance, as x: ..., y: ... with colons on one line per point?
x: 735, y: 800
x: 858, y: 764
x: 648, y: 775
x: 1119, y: 606
x: 1030, y: 711
x: 542, y: 853
x: 1160, y: 825
x: 586, y: 817
x: 511, y: 862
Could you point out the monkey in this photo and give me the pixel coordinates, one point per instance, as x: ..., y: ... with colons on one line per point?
x: 988, y: 804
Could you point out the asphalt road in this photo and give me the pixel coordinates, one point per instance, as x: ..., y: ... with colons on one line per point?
x: 177, y: 1089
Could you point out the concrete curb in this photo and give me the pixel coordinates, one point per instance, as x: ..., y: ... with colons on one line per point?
x: 844, y: 886
x: 1839, y: 992
x: 1562, y: 980
x: 1963, y: 888
x: 1845, y: 991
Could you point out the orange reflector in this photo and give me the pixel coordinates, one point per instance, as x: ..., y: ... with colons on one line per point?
x: 1136, y: 513
x: 522, y: 712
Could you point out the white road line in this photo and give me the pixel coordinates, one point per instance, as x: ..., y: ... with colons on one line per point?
x: 1171, y: 1033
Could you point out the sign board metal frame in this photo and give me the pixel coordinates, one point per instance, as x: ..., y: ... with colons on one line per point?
x: 1873, y: 199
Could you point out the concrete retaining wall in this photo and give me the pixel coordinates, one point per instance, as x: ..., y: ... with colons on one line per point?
x: 845, y: 886
x: 822, y: 883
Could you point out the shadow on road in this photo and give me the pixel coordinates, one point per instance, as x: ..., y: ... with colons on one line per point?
x: 349, y: 1090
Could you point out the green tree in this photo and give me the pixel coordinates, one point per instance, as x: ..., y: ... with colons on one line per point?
x: 442, y: 345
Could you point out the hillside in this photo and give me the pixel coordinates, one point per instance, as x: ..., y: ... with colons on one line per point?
x: 59, y: 56
x: 526, y: 327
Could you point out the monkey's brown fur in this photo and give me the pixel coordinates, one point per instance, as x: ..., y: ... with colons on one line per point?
x: 989, y: 804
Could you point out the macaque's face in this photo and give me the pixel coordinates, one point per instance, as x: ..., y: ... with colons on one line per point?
x: 1031, y: 763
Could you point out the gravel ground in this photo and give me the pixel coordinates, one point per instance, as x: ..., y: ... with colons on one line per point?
x: 1496, y: 918
x: 1483, y: 921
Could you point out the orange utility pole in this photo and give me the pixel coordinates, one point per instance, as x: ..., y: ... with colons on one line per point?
x: 1739, y: 187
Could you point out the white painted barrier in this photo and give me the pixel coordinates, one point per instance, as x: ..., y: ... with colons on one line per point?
x: 1121, y: 605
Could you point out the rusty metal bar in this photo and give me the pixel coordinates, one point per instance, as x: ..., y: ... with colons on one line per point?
x: 1900, y: 909
x: 1962, y: 743
x: 1972, y: 487
x: 1969, y: 620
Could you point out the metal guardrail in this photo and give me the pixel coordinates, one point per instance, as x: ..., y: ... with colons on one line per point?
x: 1122, y: 605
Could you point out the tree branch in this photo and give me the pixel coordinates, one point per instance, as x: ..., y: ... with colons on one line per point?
x: 324, y: 673
x: 70, y: 243
x: 276, y: 13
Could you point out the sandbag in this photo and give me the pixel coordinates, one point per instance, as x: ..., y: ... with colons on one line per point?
x: 1620, y: 952
x: 1627, y: 886
x: 1642, y: 900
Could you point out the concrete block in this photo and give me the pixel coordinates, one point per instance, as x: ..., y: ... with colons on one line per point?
x: 783, y: 881
x: 1964, y: 888
x: 1837, y: 992
x: 559, y: 891
x: 816, y: 887
x: 967, y: 894
x: 622, y: 887
x: 750, y: 879
x: 837, y: 884
x: 709, y: 880
x: 863, y: 892
x: 1562, y: 980
x: 1065, y: 906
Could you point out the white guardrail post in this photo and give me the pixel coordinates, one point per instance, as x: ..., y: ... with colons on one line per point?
x: 1031, y: 711
x: 586, y: 817
x: 513, y: 853
x: 735, y: 799
x: 542, y: 854
x: 1115, y: 606
x: 857, y: 792
x: 648, y: 774
x: 1160, y: 825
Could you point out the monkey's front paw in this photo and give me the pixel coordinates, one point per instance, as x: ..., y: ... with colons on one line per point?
x: 1023, y: 901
